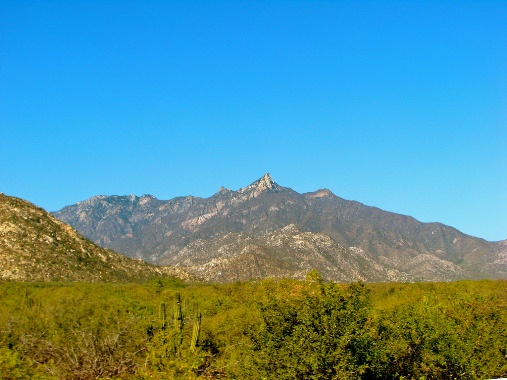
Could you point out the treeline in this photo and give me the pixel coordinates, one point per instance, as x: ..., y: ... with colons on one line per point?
x: 269, y: 329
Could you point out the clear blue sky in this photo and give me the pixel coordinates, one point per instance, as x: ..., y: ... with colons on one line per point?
x: 400, y: 105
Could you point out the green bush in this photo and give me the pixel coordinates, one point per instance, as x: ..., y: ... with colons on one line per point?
x: 321, y: 335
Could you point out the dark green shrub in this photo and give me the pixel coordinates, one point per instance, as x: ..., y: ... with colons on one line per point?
x: 321, y: 335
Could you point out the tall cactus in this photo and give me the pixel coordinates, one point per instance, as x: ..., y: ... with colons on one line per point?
x: 178, y: 320
x: 28, y: 301
x: 25, y: 299
x: 195, y: 333
x: 163, y: 315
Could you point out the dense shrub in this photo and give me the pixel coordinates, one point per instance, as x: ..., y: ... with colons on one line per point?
x: 321, y: 335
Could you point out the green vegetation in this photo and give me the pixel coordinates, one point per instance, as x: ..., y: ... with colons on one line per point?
x: 269, y: 329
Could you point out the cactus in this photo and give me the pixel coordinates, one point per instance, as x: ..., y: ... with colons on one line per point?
x: 26, y: 299
x: 29, y: 301
x: 163, y: 316
x: 195, y: 334
x: 178, y: 320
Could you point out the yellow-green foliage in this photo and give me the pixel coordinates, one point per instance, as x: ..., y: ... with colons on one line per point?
x: 254, y: 330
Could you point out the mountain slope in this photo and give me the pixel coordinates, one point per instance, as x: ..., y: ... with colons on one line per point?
x: 287, y: 252
x: 158, y: 231
x: 35, y: 246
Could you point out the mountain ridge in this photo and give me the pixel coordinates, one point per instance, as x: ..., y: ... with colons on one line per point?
x: 157, y: 230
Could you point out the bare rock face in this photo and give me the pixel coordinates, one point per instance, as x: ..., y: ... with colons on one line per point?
x: 35, y: 246
x: 232, y: 232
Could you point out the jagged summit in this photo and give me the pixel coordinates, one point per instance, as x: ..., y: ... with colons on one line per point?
x: 266, y: 180
x: 147, y: 196
x: 132, y: 198
x: 223, y: 190
x: 261, y: 185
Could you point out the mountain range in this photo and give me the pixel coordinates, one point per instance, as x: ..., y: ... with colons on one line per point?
x: 267, y: 230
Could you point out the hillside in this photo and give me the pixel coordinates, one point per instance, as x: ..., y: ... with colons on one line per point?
x: 35, y: 246
x: 291, y: 253
x: 161, y: 231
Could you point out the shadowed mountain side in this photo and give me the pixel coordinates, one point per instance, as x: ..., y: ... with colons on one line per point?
x: 399, y: 238
x: 35, y: 246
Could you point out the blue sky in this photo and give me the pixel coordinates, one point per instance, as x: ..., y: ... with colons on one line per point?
x: 399, y: 105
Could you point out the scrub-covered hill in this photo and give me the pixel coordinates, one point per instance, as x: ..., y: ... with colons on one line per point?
x: 35, y: 246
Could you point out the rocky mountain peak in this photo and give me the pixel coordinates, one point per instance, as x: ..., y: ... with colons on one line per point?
x: 146, y: 199
x: 261, y: 185
x: 92, y: 201
x: 266, y: 181
x: 319, y: 193
x: 223, y: 190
